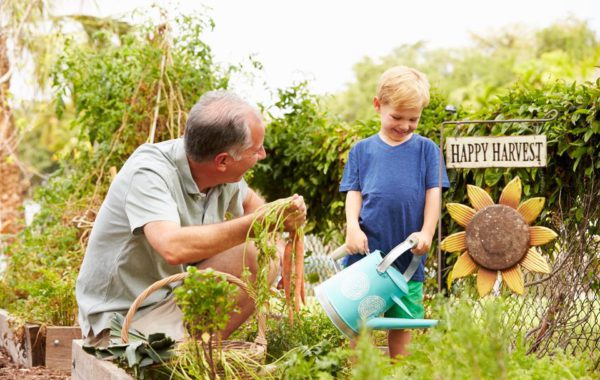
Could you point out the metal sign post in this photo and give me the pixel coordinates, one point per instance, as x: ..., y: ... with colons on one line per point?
x: 485, y: 152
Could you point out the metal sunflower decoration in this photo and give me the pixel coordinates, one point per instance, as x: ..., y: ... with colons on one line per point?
x: 498, y: 238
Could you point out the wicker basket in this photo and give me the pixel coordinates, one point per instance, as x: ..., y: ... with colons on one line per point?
x: 256, y: 350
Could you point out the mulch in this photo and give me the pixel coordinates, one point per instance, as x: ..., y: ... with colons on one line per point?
x: 10, y: 371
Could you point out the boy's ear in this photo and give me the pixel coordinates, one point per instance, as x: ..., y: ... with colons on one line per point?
x: 376, y: 104
x: 221, y: 160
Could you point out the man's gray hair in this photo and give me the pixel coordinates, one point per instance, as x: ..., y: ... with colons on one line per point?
x: 218, y: 123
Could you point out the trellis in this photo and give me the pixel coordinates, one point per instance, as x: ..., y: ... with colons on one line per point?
x: 561, y: 310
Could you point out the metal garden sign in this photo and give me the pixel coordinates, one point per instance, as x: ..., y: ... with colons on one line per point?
x: 491, y: 152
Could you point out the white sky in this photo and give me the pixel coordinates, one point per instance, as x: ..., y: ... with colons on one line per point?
x: 320, y: 40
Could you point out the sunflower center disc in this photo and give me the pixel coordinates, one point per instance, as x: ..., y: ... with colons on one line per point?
x: 497, y: 237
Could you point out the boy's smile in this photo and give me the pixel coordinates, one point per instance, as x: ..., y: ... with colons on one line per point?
x: 397, y: 124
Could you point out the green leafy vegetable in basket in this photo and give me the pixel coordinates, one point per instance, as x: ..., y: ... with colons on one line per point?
x: 206, y: 300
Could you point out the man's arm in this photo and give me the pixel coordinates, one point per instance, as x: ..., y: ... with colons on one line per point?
x: 179, y: 245
x: 252, y: 202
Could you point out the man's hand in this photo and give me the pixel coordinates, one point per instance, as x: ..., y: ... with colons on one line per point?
x: 356, y: 241
x: 423, y: 244
x: 295, y: 215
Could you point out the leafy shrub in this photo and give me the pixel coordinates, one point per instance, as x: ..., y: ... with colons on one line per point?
x: 307, y: 148
x: 311, y: 327
x: 475, y: 341
x: 41, y: 271
x: 322, y: 361
x: 573, y: 140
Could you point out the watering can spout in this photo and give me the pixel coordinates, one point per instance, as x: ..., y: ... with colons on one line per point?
x: 386, y: 323
x: 399, y: 323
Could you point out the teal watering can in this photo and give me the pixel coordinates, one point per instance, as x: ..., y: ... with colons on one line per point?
x: 362, y: 292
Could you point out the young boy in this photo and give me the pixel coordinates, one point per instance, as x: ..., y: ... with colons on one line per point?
x: 392, y: 185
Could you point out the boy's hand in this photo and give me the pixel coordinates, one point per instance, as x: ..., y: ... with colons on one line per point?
x: 356, y: 241
x: 424, y: 243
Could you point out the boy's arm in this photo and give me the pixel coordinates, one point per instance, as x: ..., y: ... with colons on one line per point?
x: 431, y: 214
x: 356, y: 240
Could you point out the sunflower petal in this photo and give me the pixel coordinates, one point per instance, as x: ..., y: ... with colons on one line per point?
x: 449, y: 280
x: 460, y: 213
x: 479, y: 198
x: 511, y: 195
x: 539, y: 235
x: 455, y: 242
x: 531, y: 209
x: 464, y: 266
x: 485, y: 281
x: 535, y: 262
x: 513, y: 277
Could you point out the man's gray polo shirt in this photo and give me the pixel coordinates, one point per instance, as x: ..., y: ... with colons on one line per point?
x: 154, y: 184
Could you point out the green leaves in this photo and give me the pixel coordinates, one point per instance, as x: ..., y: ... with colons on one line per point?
x: 206, y: 299
x: 321, y: 361
x: 139, y: 354
x: 477, y: 341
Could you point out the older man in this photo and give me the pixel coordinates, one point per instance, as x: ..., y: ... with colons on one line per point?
x: 166, y: 209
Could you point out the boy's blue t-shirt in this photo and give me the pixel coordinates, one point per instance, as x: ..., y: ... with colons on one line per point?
x: 393, y: 181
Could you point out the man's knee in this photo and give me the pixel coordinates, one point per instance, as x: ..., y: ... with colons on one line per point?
x: 238, y: 259
x: 251, y: 262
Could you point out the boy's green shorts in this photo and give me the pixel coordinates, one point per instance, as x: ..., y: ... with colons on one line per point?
x: 413, y: 301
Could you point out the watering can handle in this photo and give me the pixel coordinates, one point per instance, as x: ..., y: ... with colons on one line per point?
x: 395, y: 253
x: 340, y: 252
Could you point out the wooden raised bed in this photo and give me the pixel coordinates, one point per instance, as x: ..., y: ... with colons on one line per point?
x: 32, y: 345
x: 25, y: 346
x: 88, y: 367
x: 58, y: 346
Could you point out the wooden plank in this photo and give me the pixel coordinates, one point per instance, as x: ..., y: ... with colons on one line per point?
x: 25, y: 346
x: 88, y: 367
x: 59, y: 346
x: 34, y: 334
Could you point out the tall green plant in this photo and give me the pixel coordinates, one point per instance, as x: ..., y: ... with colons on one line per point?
x: 370, y: 362
x: 123, y: 93
x: 206, y: 300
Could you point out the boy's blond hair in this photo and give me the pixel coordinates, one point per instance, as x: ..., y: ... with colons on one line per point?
x: 403, y: 87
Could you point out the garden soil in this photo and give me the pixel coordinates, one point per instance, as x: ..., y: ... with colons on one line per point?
x: 9, y: 371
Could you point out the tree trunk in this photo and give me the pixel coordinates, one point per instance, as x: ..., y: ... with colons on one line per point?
x: 12, y: 183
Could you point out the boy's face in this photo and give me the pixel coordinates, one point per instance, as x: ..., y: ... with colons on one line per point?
x: 397, y: 124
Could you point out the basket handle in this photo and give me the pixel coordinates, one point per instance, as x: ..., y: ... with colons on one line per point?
x: 260, y: 339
